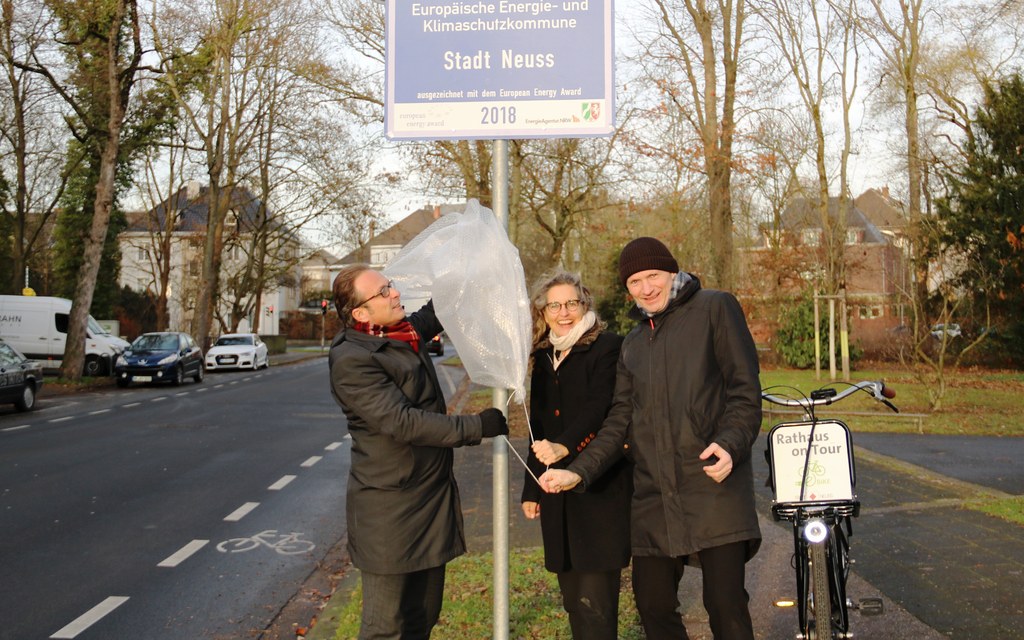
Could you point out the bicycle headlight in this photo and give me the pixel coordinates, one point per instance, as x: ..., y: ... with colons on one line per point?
x: 815, y: 531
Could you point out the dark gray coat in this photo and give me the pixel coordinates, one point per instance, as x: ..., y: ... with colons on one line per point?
x: 403, y: 508
x: 686, y: 378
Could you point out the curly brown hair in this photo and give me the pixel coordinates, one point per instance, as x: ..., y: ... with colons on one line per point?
x: 540, y: 298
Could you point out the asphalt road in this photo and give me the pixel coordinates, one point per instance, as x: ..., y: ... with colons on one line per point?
x: 113, y: 506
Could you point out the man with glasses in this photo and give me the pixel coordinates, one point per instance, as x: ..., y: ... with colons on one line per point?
x: 686, y: 410
x: 402, y: 507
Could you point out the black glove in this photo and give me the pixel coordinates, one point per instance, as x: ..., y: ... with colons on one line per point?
x: 493, y: 423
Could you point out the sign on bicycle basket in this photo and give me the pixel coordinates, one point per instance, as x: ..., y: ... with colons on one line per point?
x: 829, y: 465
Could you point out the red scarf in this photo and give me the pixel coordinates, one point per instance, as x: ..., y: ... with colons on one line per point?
x: 402, y: 331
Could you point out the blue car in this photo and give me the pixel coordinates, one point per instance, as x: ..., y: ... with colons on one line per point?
x: 166, y: 356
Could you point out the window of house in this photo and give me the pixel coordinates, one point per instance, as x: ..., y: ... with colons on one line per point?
x: 194, y: 268
x: 810, y: 237
x: 852, y: 236
x: 870, y: 312
x: 382, y: 254
x: 143, y: 254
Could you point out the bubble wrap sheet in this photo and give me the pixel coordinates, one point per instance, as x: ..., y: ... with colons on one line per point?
x: 465, y: 262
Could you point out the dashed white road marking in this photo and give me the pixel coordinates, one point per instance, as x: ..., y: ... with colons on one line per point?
x: 202, y: 390
x: 241, y: 512
x: 98, y: 412
x: 90, y: 617
x: 311, y: 461
x: 282, y: 483
x: 17, y: 428
x: 183, y: 393
x: 64, y: 419
x: 183, y: 554
x: 130, y: 405
x: 159, y: 399
x: 332, y: 446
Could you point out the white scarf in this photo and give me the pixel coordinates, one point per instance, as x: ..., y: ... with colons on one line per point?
x: 563, y: 344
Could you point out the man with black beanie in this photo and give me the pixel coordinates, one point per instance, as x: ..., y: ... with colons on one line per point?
x: 687, y: 410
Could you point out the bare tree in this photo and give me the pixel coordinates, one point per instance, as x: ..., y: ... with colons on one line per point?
x: 103, y: 46
x: 817, y: 40
x: 896, y: 27
x: 34, y: 168
x: 165, y: 178
x: 564, y: 182
x: 700, y: 43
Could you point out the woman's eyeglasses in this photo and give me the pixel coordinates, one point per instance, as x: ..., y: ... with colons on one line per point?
x: 384, y: 292
x: 570, y: 305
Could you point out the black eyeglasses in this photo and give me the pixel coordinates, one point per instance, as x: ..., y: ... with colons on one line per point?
x: 570, y: 306
x: 384, y: 292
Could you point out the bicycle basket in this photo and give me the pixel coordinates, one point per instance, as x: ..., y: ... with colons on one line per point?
x: 825, y: 472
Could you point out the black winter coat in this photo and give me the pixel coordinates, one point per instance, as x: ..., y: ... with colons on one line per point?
x: 403, y: 508
x: 581, y: 531
x: 686, y: 378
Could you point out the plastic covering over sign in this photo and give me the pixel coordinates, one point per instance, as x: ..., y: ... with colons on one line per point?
x: 467, y: 265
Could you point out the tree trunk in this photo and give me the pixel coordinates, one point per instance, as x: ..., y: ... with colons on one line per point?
x: 917, y: 230
x: 85, y: 286
x: 209, y: 288
x: 118, y: 82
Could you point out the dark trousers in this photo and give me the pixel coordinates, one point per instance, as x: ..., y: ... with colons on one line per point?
x: 591, y: 598
x: 403, y: 606
x: 656, y: 588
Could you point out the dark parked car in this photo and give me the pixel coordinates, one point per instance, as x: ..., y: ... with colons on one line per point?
x: 167, y: 356
x: 20, y: 378
x: 436, y: 346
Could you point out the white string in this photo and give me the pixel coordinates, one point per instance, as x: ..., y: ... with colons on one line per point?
x: 530, y: 429
x: 523, y: 462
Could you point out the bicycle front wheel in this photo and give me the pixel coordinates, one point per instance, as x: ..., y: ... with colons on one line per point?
x: 821, y: 600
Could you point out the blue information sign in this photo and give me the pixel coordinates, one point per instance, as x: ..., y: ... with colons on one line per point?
x: 463, y: 69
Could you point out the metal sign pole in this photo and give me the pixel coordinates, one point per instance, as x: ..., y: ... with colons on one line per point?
x: 499, y: 506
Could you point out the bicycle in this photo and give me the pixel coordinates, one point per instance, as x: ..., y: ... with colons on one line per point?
x: 285, y: 544
x: 813, y: 481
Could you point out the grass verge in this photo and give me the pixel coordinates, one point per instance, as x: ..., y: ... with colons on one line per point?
x: 977, y: 402
x: 1009, y: 509
x: 535, y: 604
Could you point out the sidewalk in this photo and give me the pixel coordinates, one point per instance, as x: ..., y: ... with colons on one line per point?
x: 943, y: 571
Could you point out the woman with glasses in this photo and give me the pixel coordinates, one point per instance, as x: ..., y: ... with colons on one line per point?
x: 586, y: 534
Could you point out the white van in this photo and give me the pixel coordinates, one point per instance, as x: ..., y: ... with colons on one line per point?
x: 37, y: 326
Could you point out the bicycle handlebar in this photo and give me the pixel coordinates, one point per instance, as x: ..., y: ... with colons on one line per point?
x: 828, y: 395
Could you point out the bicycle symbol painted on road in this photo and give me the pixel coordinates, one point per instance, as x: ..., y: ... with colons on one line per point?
x: 287, y: 544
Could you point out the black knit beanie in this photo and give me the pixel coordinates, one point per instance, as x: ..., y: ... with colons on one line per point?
x: 643, y: 254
